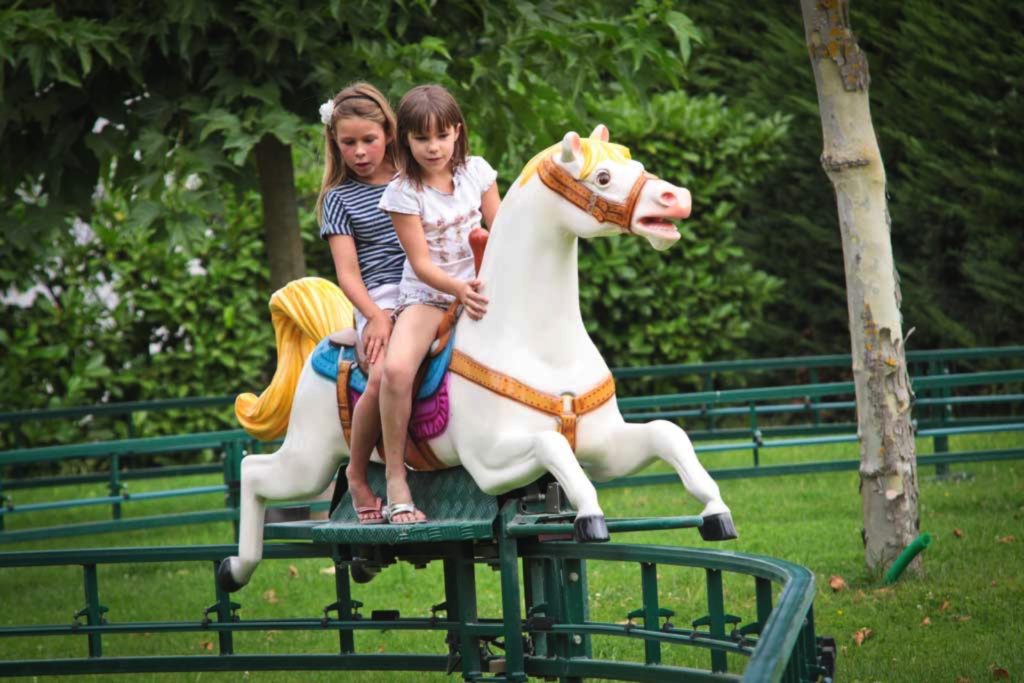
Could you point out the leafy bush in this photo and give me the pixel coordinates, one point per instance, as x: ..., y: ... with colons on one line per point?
x: 123, y: 316
x: 144, y: 304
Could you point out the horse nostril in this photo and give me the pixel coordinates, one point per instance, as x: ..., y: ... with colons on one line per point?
x: 669, y: 198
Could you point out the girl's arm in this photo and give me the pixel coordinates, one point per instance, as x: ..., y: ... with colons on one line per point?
x: 489, y: 203
x: 410, y: 233
x: 350, y: 278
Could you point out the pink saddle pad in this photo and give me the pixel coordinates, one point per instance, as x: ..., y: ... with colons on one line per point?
x: 429, y: 416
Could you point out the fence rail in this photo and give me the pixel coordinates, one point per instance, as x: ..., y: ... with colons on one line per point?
x: 764, y: 418
x: 554, y: 638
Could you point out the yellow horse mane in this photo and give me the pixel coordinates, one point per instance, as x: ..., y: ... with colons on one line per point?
x: 303, y: 312
x: 594, y: 152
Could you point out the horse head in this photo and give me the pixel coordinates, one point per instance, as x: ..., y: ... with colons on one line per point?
x: 609, y: 193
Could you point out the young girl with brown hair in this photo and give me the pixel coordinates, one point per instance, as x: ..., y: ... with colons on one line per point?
x: 441, y: 195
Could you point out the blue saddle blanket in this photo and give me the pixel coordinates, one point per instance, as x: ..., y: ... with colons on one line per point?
x: 325, y: 363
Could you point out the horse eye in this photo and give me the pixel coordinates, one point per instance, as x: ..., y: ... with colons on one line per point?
x: 603, y: 178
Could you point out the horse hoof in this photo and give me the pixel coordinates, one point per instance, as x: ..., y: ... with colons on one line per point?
x: 590, y: 529
x: 718, y: 528
x: 225, y: 580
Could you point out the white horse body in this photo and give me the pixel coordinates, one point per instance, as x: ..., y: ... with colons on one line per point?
x: 533, y: 332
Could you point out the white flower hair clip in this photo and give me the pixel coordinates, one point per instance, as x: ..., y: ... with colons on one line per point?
x: 327, y: 111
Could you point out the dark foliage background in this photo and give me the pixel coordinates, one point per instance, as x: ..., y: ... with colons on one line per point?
x: 165, y: 294
x: 946, y: 94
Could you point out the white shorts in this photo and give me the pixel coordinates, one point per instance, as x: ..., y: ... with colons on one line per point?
x: 385, y: 296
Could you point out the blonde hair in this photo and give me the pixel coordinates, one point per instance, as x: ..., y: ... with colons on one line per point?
x: 357, y: 101
x: 303, y: 312
x: 594, y: 152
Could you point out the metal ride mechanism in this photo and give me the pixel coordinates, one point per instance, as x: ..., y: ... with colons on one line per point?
x: 545, y: 627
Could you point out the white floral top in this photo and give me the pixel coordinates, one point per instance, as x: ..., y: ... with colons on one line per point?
x: 447, y: 221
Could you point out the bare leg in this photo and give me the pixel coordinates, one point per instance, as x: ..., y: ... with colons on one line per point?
x: 365, y: 432
x: 410, y: 340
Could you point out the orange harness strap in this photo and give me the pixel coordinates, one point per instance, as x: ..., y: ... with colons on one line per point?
x: 344, y: 409
x: 562, y: 183
x: 419, y: 455
x: 566, y: 408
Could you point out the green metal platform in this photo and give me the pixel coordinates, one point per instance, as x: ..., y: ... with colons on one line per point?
x: 456, y: 510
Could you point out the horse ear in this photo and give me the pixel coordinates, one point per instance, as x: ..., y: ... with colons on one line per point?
x: 572, y: 147
x: 600, y: 133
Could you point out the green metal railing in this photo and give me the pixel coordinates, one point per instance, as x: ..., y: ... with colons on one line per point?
x: 920, y: 360
x: 755, y: 407
x: 707, y: 376
x: 544, y: 627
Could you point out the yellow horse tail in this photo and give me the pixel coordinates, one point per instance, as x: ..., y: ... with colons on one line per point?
x: 303, y: 312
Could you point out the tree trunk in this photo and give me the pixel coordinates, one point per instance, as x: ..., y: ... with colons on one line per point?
x: 888, y: 469
x: 280, y: 212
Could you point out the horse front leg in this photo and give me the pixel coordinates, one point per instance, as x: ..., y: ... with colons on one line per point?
x: 520, y: 458
x: 631, y: 445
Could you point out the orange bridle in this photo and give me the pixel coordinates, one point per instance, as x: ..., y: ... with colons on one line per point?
x: 563, y: 184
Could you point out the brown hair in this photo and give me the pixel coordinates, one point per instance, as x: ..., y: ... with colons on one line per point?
x: 357, y: 101
x: 424, y: 109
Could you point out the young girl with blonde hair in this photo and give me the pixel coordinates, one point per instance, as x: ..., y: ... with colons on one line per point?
x: 440, y: 197
x: 360, y: 158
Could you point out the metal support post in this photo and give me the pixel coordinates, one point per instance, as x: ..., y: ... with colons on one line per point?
x: 508, y: 558
x: 577, y: 607
x: 93, y: 610
x: 343, y: 590
x: 234, y: 451
x: 225, y: 610
x: 763, y: 591
x: 755, y: 434
x: 941, y: 443
x: 716, y: 612
x: 649, y: 587
x: 538, y: 602
x: 460, y: 603
x: 114, y: 485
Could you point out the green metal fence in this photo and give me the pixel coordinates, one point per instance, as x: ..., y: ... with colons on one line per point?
x: 544, y: 627
x: 756, y: 420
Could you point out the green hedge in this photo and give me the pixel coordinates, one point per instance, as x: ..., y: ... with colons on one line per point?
x: 122, y: 315
x: 132, y: 314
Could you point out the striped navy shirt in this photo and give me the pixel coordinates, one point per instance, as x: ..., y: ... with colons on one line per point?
x: 351, y: 209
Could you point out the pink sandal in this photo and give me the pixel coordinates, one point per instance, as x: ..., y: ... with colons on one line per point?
x: 375, y: 509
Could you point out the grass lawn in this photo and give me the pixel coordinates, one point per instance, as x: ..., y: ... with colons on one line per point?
x: 955, y: 621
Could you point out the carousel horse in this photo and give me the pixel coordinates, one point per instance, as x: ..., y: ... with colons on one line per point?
x: 529, y: 392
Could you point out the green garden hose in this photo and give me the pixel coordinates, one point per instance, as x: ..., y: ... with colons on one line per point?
x: 907, y: 556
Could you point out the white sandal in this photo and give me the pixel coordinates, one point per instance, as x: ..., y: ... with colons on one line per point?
x: 392, y: 509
